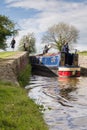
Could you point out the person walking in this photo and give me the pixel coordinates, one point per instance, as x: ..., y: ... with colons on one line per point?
x: 13, y: 43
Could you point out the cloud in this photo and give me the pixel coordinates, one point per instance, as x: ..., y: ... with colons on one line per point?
x: 52, y: 12
x: 37, y: 4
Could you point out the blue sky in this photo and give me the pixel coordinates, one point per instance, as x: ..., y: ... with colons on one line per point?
x: 38, y: 15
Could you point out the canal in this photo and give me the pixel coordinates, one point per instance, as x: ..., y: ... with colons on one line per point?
x: 64, y: 101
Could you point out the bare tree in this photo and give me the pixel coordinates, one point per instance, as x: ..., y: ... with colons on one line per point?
x: 58, y: 34
x: 27, y: 43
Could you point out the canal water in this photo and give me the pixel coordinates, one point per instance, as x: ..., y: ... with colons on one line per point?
x: 64, y: 101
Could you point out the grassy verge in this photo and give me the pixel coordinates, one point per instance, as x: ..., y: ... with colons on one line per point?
x: 7, y: 54
x: 17, y: 110
x: 84, y: 53
x: 24, y: 76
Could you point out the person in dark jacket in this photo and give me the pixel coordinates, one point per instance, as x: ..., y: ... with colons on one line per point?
x: 65, y: 48
x: 46, y: 49
x: 25, y: 48
x: 13, y: 43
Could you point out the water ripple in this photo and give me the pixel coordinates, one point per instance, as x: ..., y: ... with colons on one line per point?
x: 66, y: 98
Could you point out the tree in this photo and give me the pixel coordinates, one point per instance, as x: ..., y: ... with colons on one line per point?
x: 7, y: 28
x: 27, y: 43
x: 59, y: 34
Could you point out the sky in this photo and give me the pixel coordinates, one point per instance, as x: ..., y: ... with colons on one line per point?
x: 38, y: 15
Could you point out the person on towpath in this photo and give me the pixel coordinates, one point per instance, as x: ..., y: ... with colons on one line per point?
x: 13, y: 43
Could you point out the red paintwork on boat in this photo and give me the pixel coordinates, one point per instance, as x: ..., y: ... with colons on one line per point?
x: 68, y: 73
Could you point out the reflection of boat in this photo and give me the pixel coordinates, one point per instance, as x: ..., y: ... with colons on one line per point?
x: 66, y: 65
x: 68, y: 82
x: 67, y: 86
x: 64, y: 80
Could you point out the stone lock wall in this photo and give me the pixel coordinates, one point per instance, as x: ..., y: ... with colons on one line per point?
x: 11, y: 67
x: 83, y: 65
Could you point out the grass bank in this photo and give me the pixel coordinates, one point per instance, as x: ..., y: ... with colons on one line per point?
x: 7, y: 54
x: 84, y: 53
x: 17, y: 110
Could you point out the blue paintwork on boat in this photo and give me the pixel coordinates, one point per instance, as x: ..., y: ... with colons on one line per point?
x: 50, y: 61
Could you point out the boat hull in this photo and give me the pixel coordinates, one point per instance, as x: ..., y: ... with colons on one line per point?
x: 40, y: 69
x: 69, y: 71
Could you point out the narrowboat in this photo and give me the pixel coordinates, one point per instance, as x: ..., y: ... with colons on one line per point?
x: 62, y: 64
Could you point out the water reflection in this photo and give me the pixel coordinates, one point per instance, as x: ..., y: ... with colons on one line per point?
x: 70, y: 82
x: 66, y: 86
x: 66, y: 98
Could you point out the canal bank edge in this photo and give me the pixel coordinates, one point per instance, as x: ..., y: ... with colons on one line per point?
x: 83, y: 65
x: 11, y: 67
